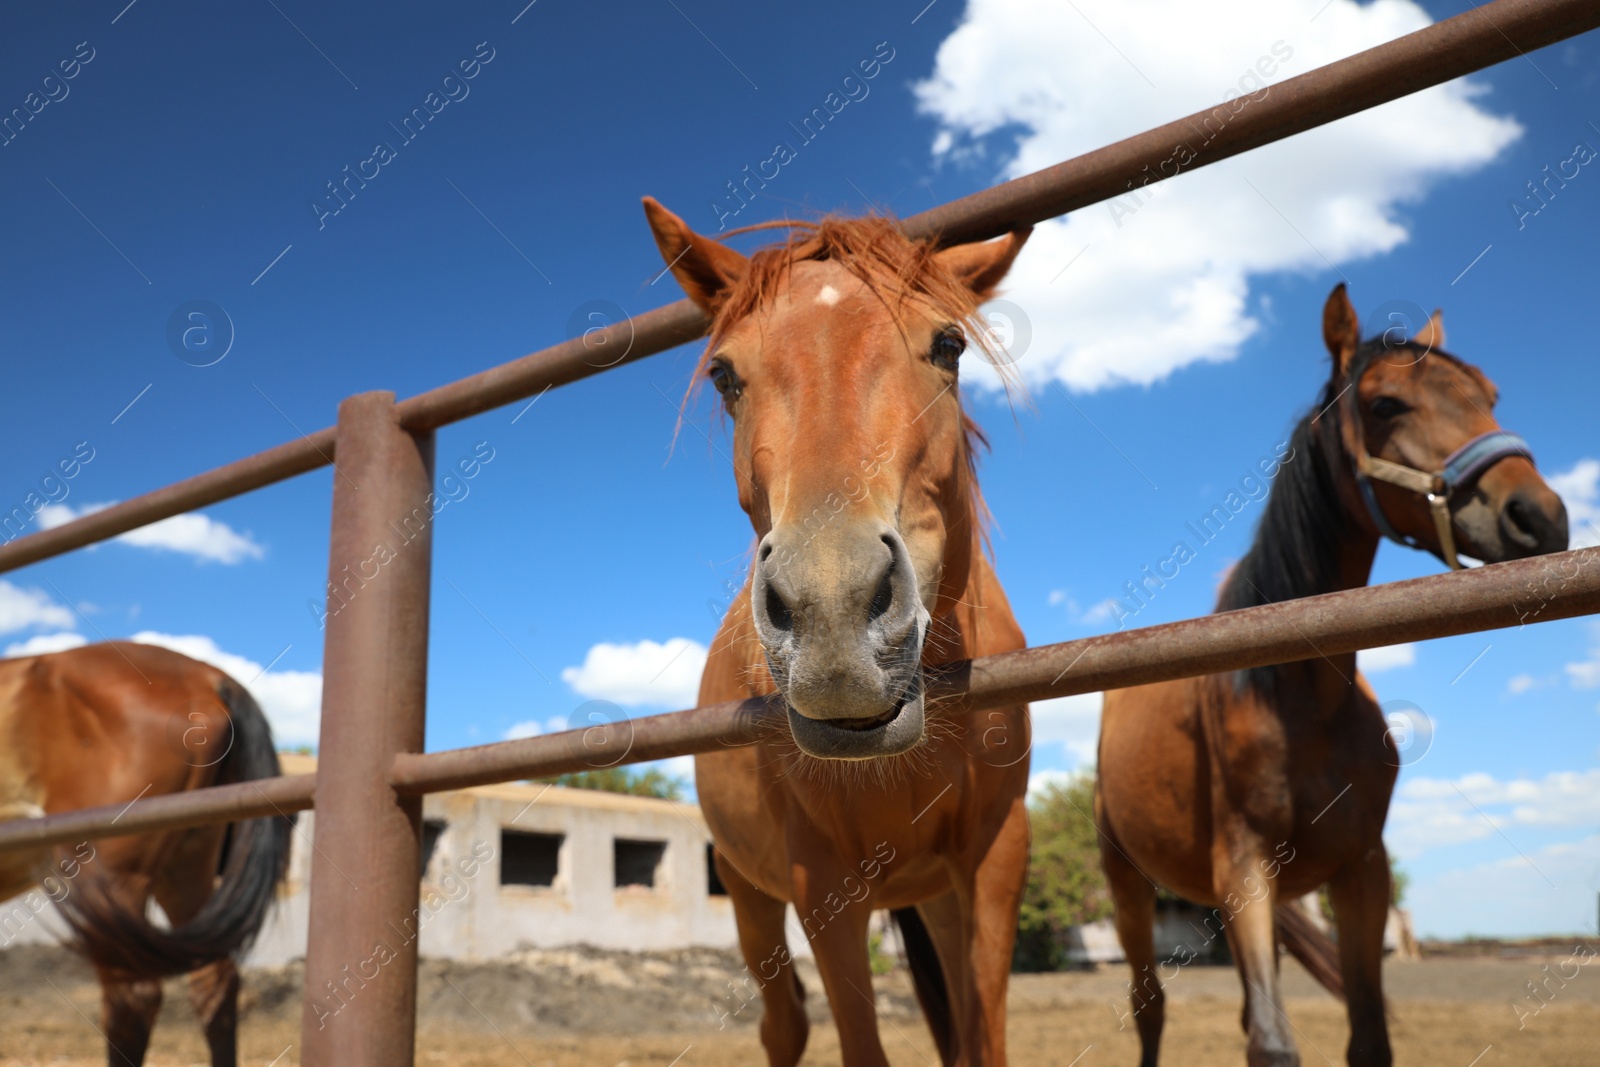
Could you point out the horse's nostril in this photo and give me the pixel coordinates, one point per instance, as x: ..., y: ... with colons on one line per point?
x: 1526, y: 523
x: 778, y: 613
x: 883, y: 596
x: 1517, y: 514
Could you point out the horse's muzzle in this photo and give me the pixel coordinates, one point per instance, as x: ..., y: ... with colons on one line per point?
x: 842, y: 623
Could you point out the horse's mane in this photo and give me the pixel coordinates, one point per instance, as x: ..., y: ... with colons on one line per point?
x: 1296, y: 546
x: 896, y: 269
x: 1295, y: 550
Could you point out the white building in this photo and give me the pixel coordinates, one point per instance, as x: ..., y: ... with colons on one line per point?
x: 511, y: 866
x: 508, y: 866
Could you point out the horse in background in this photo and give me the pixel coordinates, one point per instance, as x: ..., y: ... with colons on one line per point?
x: 1247, y: 790
x: 110, y: 724
x: 836, y: 355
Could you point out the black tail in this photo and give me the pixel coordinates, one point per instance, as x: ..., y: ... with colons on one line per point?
x: 254, y: 861
x: 1314, y: 949
x: 927, y: 976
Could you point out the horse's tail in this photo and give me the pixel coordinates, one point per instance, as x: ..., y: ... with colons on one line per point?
x: 1307, y: 943
x: 927, y: 977
x: 254, y: 861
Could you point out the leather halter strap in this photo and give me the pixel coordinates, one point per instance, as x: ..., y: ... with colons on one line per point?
x: 1460, y: 469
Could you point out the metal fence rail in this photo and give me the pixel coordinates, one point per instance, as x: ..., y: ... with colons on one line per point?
x: 1540, y: 589
x: 372, y: 772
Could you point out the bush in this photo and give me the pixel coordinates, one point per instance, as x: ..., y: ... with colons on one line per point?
x: 650, y: 783
x: 1066, y: 886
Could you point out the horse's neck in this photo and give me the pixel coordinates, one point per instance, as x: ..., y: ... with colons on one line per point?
x: 1356, y: 555
x: 979, y: 623
x: 1311, y: 541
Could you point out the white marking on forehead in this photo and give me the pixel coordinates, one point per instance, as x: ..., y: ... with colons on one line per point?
x: 829, y: 296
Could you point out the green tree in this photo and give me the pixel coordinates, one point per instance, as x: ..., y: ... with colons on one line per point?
x: 650, y: 783
x: 1066, y: 886
x: 1399, y: 881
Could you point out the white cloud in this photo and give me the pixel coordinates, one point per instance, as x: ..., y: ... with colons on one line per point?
x: 1039, y: 781
x: 1071, y: 722
x: 1585, y: 674
x: 23, y: 608
x: 533, y: 728
x: 677, y: 767
x: 1387, y: 658
x: 192, y: 534
x: 292, y: 700
x: 1580, y: 491
x: 1549, y: 891
x: 40, y: 644
x: 1435, y: 812
x: 1522, y: 683
x: 1164, y: 280
x: 1093, y: 615
x: 667, y: 675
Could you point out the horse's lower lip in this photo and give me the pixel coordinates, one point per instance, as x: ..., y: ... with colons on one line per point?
x: 895, y: 731
x: 869, y: 724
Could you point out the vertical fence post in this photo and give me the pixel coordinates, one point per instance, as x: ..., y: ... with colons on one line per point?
x: 361, y: 959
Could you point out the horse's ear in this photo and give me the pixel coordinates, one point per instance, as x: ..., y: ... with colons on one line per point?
x: 705, y: 268
x: 981, y: 267
x: 1341, y: 329
x: 1431, y: 336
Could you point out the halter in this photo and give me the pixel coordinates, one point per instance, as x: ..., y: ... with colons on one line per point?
x: 1461, y: 468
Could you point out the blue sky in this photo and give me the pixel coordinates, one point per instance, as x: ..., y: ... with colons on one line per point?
x: 182, y: 160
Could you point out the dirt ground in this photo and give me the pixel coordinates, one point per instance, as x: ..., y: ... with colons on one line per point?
x: 601, y: 1009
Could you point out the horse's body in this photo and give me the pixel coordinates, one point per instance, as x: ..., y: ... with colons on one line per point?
x: 110, y: 724
x: 836, y: 357
x: 1243, y: 790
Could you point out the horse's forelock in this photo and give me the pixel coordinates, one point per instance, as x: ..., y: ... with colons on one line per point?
x: 896, y: 269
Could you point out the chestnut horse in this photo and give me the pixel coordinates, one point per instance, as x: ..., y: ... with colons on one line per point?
x: 1243, y: 790
x: 110, y: 724
x: 836, y: 357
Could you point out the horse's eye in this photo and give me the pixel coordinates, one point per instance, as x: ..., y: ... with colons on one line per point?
x: 1388, y: 407
x: 948, y: 344
x: 723, y: 380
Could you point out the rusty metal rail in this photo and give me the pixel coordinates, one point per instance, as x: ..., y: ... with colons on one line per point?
x: 170, y: 811
x: 1541, y: 589
x: 1469, y: 42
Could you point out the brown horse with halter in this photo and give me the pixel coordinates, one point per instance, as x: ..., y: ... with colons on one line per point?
x: 836, y: 357
x: 111, y: 724
x: 1244, y: 790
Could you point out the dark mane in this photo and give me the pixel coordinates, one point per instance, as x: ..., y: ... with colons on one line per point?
x: 1295, y: 550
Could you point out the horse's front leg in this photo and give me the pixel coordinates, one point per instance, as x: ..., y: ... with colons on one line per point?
x: 990, y: 905
x: 836, y: 924
x: 768, y: 967
x: 1248, y: 899
x: 1360, y: 895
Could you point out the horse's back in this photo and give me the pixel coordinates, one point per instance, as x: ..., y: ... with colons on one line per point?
x: 95, y: 725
